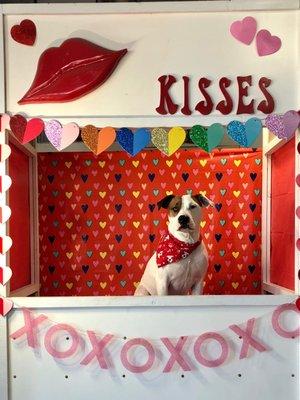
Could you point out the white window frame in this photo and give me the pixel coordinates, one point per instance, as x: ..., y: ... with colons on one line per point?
x: 271, y: 144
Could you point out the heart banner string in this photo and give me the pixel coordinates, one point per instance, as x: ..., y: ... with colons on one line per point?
x: 167, y: 140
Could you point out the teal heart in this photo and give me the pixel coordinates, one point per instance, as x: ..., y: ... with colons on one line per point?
x: 256, y: 191
x: 55, y: 284
x: 56, y: 224
x: 123, y: 283
x: 257, y: 161
x: 253, y: 129
x: 223, y: 191
x: 123, y: 253
x: 222, y: 253
x: 221, y: 283
x: 155, y: 192
x: 56, y: 254
x: 89, y: 193
x: 255, y: 253
x: 155, y: 161
x: 156, y: 222
x: 54, y: 163
x: 222, y: 222
x: 255, y: 284
x: 89, y: 283
x: 122, y: 193
x: 122, y: 223
x: 89, y: 253
x: 55, y: 193
x: 189, y: 161
x: 223, y: 161
x: 89, y: 222
x: 88, y: 162
x: 256, y: 222
x: 215, y: 134
x: 122, y: 163
x: 198, y: 135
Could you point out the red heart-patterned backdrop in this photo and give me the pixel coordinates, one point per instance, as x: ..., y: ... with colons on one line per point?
x: 99, y: 223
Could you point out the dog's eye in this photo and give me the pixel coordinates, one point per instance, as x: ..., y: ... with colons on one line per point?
x: 175, y: 209
x: 192, y: 206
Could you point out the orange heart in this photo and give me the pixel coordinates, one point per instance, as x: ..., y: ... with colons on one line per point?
x: 98, y: 141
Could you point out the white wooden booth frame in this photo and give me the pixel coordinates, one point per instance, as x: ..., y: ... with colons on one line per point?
x: 29, y: 375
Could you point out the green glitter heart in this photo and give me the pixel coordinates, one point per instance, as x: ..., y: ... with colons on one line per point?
x: 198, y: 135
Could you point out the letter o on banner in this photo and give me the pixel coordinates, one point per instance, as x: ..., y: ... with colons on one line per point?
x: 52, y: 350
x: 275, y: 321
x: 137, y: 368
x: 204, y: 361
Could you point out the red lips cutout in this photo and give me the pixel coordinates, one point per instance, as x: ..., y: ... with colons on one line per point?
x: 25, y: 33
x: 70, y: 71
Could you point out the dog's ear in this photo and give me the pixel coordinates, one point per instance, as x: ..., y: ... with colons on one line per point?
x: 164, y: 203
x: 203, y: 201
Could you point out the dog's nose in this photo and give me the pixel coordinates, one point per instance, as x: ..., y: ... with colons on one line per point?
x: 183, y: 220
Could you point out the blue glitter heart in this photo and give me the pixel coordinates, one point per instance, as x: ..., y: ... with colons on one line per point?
x: 237, y: 131
x: 133, y: 142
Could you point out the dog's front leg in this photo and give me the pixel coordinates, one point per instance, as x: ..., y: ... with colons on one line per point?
x: 162, y: 283
x: 197, y: 288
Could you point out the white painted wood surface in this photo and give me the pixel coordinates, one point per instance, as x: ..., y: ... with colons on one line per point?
x: 158, y: 43
x: 274, y: 374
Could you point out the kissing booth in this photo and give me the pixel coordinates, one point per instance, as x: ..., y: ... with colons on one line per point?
x: 114, y: 108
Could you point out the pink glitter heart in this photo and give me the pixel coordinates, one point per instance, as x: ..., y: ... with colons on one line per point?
x: 244, y: 31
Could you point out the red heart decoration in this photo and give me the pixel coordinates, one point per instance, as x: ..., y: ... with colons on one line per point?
x: 25, y: 33
x: 26, y: 131
x: 298, y: 303
x: 5, y: 306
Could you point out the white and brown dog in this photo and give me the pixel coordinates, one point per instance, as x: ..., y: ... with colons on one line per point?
x: 180, y: 263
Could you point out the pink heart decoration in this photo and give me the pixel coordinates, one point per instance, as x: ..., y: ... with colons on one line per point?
x: 298, y: 180
x: 5, y: 244
x: 4, y: 122
x: 244, y: 31
x: 61, y: 136
x: 5, y: 275
x: 283, y: 126
x: 267, y: 44
x: 5, y: 213
x: 298, y: 212
x: 5, y: 151
x: 5, y: 306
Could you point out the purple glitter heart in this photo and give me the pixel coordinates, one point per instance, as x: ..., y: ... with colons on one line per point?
x: 53, y: 130
x: 274, y: 123
x: 291, y: 120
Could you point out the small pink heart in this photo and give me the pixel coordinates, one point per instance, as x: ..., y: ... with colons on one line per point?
x: 5, y: 275
x: 298, y: 212
x: 244, y: 31
x: 5, y: 305
x: 298, y: 180
x: 267, y: 44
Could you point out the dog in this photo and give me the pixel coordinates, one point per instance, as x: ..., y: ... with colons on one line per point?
x: 179, y: 265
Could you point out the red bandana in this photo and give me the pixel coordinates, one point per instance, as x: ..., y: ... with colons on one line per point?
x: 171, y: 250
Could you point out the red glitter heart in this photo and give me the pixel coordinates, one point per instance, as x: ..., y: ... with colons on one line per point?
x: 26, y: 131
x: 25, y: 33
